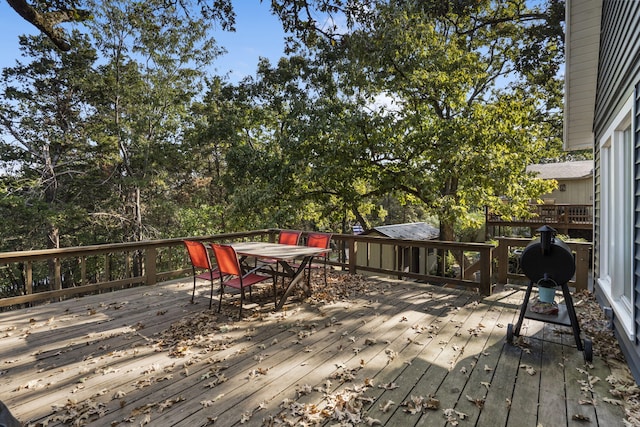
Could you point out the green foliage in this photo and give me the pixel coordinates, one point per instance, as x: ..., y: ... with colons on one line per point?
x: 46, y: 155
x: 142, y: 96
x: 419, y: 111
x: 451, y: 135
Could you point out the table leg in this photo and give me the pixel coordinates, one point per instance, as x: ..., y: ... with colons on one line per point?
x: 295, y: 278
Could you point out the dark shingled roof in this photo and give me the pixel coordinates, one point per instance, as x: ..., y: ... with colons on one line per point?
x: 413, y: 230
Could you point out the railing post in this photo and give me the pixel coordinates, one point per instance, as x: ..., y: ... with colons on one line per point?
x: 398, y: 263
x: 107, y: 267
x: 57, y: 279
x: 353, y: 256
x: 83, y: 271
x: 503, y: 261
x: 486, y: 259
x: 582, y: 267
x: 150, y: 265
x: 29, y: 278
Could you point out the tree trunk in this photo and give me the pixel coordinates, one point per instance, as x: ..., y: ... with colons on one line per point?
x: 48, y: 22
x: 138, y: 233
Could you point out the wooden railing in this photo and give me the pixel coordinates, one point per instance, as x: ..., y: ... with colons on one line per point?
x: 559, y: 216
x: 45, y: 275
x: 447, y: 263
x: 31, y: 276
x: 508, y: 247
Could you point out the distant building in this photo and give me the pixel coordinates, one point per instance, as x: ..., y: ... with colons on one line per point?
x: 415, y: 260
x: 575, y: 181
x: 568, y: 208
x: 357, y: 228
x: 411, y: 230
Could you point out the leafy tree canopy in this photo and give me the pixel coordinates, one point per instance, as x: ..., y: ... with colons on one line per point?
x: 443, y: 106
x: 48, y: 15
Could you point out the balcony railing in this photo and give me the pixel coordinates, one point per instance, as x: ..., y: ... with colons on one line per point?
x: 559, y: 216
x: 45, y: 275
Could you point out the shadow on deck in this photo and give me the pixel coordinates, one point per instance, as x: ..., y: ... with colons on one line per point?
x: 359, y: 352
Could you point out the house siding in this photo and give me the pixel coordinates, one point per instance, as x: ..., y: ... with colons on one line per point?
x: 618, y: 75
x: 619, y: 62
x: 577, y: 192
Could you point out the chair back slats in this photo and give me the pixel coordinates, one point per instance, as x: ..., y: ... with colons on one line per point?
x: 227, y: 259
x: 198, y: 254
x: 289, y: 237
x: 319, y: 240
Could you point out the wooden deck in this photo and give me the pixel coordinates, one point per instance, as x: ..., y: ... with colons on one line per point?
x: 388, y: 353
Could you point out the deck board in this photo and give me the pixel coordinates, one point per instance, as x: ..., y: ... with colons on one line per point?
x: 115, y: 359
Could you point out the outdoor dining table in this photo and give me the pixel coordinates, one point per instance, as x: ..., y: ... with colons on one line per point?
x: 293, y: 259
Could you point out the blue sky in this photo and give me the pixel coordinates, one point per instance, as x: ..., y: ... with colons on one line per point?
x: 258, y: 34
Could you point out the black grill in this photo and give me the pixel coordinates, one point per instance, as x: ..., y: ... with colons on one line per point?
x: 549, y: 263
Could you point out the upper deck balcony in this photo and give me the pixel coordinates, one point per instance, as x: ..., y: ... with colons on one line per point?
x: 575, y: 220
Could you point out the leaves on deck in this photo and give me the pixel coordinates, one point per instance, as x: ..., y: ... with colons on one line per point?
x: 528, y: 368
x: 454, y: 416
x: 343, y: 397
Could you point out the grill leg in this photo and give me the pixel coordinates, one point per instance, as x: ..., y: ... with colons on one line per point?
x: 523, y: 310
x: 572, y: 315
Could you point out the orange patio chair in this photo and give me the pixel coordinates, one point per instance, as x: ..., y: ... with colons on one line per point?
x: 289, y: 237
x: 319, y: 240
x: 200, y: 261
x: 285, y: 237
x: 229, y: 266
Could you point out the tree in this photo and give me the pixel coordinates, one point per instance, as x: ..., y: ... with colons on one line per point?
x: 47, y: 16
x: 218, y: 122
x: 459, y: 135
x: 151, y: 74
x: 46, y: 155
x: 440, y: 105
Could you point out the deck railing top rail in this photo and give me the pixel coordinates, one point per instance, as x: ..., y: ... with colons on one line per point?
x: 29, y: 276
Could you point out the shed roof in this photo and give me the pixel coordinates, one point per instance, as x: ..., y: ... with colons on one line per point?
x: 564, y: 170
x: 412, y: 230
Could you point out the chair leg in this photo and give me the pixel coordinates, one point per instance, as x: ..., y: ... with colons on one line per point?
x: 193, y: 294
x: 325, y: 272
x: 309, y: 274
x: 221, y: 292
x: 275, y: 292
x: 211, y: 296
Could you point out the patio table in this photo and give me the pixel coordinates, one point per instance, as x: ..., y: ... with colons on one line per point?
x: 292, y: 258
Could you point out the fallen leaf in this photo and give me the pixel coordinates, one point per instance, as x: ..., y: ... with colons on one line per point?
x: 386, y: 406
x: 530, y: 369
x: 613, y: 401
x: 580, y: 417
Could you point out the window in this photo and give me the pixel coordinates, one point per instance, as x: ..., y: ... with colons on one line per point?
x: 615, y: 277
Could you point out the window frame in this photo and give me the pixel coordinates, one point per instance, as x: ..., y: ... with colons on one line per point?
x: 616, y: 221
